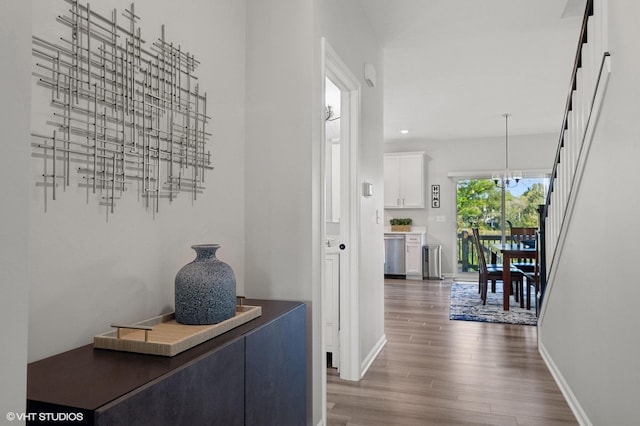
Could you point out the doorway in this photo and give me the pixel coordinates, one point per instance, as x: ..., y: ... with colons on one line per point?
x: 340, y: 133
x: 334, y: 142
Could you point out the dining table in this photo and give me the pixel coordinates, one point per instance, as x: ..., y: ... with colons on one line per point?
x: 510, y: 251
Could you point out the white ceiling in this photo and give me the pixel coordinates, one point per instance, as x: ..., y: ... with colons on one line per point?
x: 453, y: 67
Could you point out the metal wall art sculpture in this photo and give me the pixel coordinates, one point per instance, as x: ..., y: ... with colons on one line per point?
x: 126, y: 114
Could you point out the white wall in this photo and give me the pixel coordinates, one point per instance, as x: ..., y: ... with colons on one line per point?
x: 588, y: 329
x: 278, y: 149
x: 282, y: 227
x: 442, y: 157
x: 15, y: 45
x: 89, y: 271
x: 284, y: 178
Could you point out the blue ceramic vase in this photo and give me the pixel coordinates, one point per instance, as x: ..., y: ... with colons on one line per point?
x: 205, y: 289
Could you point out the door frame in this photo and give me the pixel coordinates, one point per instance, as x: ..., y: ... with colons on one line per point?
x: 337, y: 71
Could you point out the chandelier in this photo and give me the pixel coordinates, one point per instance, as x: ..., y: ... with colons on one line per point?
x: 506, y: 178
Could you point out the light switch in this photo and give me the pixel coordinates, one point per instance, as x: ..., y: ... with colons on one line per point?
x: 367, y: 189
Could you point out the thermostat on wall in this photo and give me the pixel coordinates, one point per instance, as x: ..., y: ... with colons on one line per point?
x: 370, y: 75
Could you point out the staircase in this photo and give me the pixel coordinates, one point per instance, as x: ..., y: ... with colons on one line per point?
x: 589, y: 80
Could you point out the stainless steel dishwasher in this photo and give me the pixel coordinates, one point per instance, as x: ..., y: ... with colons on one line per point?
x: 394, y: 260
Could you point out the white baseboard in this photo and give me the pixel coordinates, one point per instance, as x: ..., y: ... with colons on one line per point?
x: 366, y: 363
x: 568, y: 394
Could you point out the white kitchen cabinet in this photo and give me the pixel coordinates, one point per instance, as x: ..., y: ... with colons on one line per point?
x: 404, y: 180
x: 413, y: 255
x: 413, y: 243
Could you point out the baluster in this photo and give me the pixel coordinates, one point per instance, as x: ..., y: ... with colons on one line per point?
x: 579, y: 105
x: 589, y: 58
x: 561, y: 179
x: 570, y: 142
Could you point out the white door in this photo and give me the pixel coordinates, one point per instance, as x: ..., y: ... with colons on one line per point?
x: 333, y: 201
x: 411, y: 181
x: 392, y: 181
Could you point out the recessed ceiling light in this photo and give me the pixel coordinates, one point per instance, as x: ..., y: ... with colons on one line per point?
x: 404, y: 131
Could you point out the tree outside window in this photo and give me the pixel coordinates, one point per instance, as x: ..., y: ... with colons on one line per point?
x: 479, y: 204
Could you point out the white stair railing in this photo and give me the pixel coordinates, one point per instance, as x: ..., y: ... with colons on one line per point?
x: 589, y: 80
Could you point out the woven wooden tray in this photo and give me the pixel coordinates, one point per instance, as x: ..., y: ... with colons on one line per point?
x: 162, y: 335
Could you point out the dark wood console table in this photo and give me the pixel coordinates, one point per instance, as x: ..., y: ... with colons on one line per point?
x: 253, y: 374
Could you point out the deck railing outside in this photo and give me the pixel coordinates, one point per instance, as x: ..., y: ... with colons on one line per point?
x: 467, y: 253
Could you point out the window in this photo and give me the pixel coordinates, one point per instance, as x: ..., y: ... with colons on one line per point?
x: 479, y: 205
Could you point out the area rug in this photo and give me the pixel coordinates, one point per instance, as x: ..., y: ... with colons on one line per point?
x: 467, y: 306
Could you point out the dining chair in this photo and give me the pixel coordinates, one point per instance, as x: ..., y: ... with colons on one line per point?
x: 483, y: 273
x: 524, y: 235
x: 492, y: 272
x: 527, y: 237
x: 533, y: 278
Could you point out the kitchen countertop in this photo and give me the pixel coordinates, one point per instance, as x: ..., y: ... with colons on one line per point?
x: 414, y: 230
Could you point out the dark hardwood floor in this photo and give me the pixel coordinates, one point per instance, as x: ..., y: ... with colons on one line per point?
x: 434, y: 371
